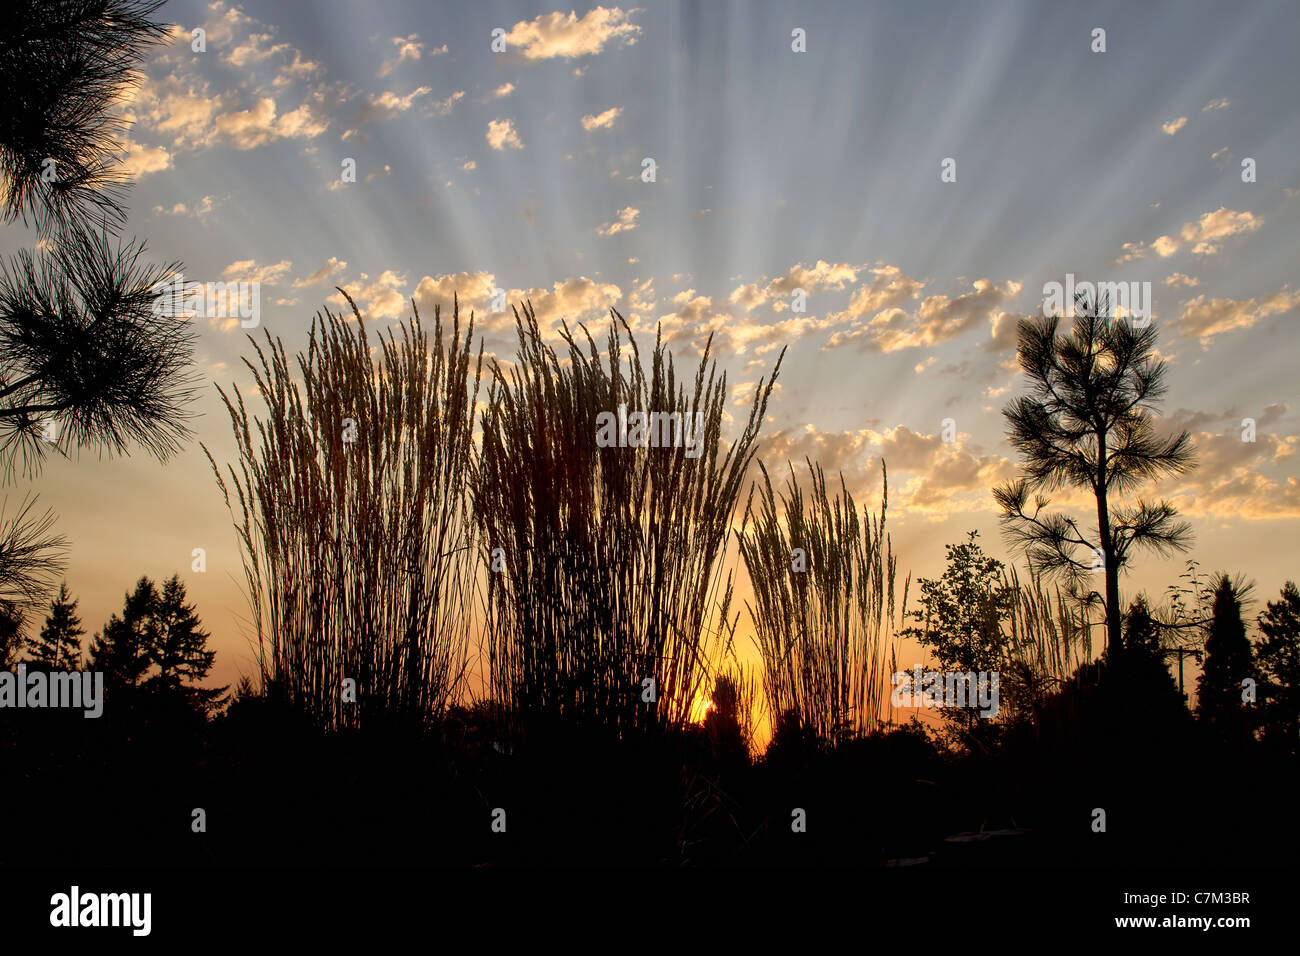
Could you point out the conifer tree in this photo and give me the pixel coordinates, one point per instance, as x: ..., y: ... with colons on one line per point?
x: 1278, y: 655
x: 1086, y: 424
x: 59, y: 644
x: 1229, y: 660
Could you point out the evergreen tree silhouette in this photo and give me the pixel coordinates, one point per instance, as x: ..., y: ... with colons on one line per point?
x: 59, y: 644
x: 1278, y: 655
x: 1085, y: 425
x: 122, y: 650
x: 1228, y: 661
x: 180, y: 648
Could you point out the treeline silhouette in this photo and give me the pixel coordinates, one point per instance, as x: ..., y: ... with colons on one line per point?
x: 608, y: 716
x: 482, y: 637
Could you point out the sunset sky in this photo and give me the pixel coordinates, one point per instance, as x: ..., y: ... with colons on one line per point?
x: 776, y: 170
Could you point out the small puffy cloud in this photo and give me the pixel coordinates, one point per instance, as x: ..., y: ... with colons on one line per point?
x: 225, y: 23
x: 469, y: 165
x: 388, y: 104
x: 888, y: 287
x: 501, y: 135
x: 247, y: 270
x: 1173, y: 126
x: 198, y: 210
x: 299, y: 69
x: 1204, y: 318
x: 1203, y: 236
x: 256, y: 48
x: 603, y: 120
x: 378, y: 298
x: 444, y: 107
x: 625, y: 222
x: 473, y: 289
x: 502, y: 91
x: 569, y: 36
x: 408, y: 48
x: 139, y: 161
x: 332, y: 267
x: 1218, y: 104
x: 1181, y: 279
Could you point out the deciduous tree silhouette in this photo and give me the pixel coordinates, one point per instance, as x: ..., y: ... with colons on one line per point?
x: 59, y: 643
x: 1085, y: 424
x: 961, y: 617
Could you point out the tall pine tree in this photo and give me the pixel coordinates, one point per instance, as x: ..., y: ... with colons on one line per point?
x: 59, y: 645
x: 1229, y: 660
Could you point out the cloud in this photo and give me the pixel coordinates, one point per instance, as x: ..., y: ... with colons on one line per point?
x: 444, y: 107
x: 1220, y: 104
x: 247, y: 270
x: 299, y: 69
x: 256, y: 48
x: 1231, y: 477
x: 574, y: 300
x: 228, y: 21
x: 928, y: 476
x: 938, y: 319
x: 889, y: 287
x: 332, y: 267
x: 378, y: 298
x: 1203, y: 235
x: 502, y: 91
x: 821, y: 275
x: 603, y: 121
x: 1180, y: 279
x: 626, y: 222
x: 569, y: 36
x: 199, y: 210
x: 1203, y: 318
x: 469, y: 165
x: 139, y: 161
x: 501, y: 135
x: 1173, y: 126
x: 388, y: 104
